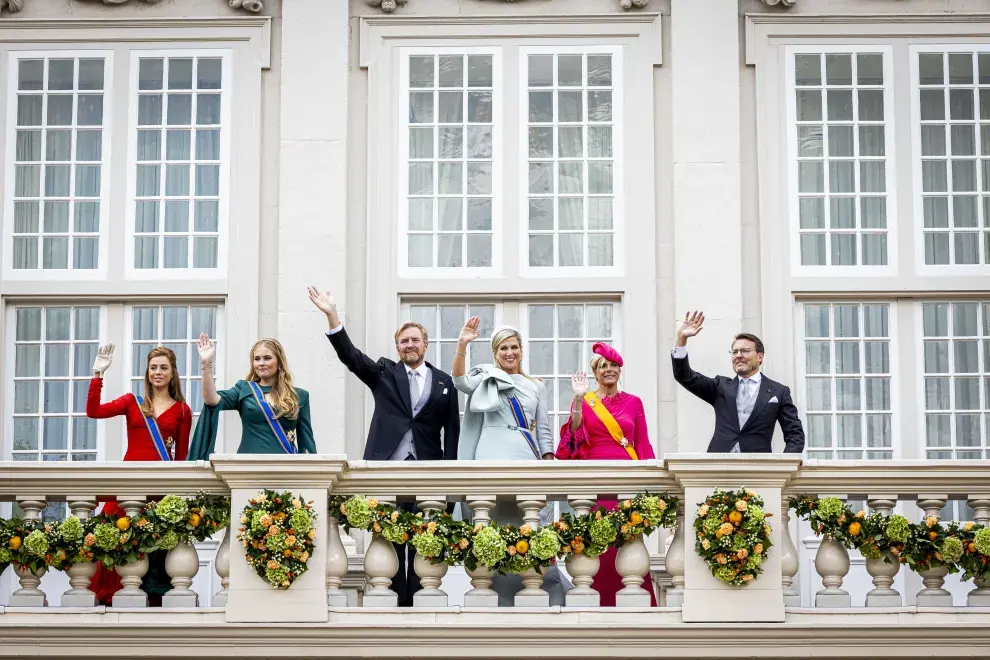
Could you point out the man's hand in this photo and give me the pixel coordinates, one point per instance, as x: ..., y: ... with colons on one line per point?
x: 693, y: 325
x: 325, y: 303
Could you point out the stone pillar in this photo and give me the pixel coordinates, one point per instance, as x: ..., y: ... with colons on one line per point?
x: 705, y: 146
x: 312, y: 199
x: 582, y: 568
x: 883, y: 570
x: 980, y: 595
x: 481, y: 593
x: 789, y: 563
x: 29, y: 594
x: 706, y: 599
x: 249, y: 598
x: 934, y: 593
x: 79, y: 593
x: 430, y: 574
x: 131, y: 575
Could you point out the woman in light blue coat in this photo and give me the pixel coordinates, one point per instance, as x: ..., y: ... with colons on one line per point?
x: 505, y: 419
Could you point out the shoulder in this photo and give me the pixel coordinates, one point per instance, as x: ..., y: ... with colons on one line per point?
x: 303, y: 395
x: 633, y: 399
x: 438, y: 373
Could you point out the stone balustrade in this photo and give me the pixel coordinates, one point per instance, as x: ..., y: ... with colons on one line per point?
x: 336, y: 567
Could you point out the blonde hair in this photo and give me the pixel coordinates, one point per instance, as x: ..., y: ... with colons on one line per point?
x: 501, y: 336
x: 285, y: 401
x: 174, y: 384
x: 596, y: 361
x: 412, y: 324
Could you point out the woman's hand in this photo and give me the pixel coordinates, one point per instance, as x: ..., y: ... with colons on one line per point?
x: 104, y: 357
x: 548, y: 456
x: 579, y: 383
x: 207, y: 348
x: 470, y: 331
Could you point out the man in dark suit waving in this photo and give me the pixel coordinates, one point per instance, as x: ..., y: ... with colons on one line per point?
x: 414, y: 403
x: 748, y: 406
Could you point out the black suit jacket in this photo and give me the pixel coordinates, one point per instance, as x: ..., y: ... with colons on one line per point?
x: 757, y: 434
x: 393, y: 411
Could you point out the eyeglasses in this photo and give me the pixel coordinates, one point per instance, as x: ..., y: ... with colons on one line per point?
x: 741, y: 351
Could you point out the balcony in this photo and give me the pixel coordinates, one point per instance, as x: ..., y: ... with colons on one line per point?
x: 807, y: 603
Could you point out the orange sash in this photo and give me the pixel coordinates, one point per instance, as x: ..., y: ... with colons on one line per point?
x: 608, y: 420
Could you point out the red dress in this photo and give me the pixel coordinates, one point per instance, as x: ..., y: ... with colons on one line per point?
x: 592, y: 441
x: 174, y: 423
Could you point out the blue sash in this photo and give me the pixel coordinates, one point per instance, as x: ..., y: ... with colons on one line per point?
x: 524, y: 428
x: 287, y: 444
x: 156, y: 433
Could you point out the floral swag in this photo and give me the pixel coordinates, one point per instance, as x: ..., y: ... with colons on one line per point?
x: 733, y: 535
x: 508, y: 549
x: 161, y: 525
x: 278, y: 533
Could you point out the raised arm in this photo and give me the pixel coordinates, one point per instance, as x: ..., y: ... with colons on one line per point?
x: 94, y: 409
x: 790, y: 424
x: 207, y: 351
x: 367, y: 370
x: 701, y: 386
x: 468, y: 334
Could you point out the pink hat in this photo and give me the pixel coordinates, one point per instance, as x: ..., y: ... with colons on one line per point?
x: 607, y: 352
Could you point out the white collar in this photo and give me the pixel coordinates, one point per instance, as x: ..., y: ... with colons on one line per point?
x: 422, y: 369
x: 755, y: 378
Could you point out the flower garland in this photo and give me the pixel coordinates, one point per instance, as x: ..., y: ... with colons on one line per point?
x: 922, y: 546
x: 733, y: 536
x: 278, y: 534
x: 508, y: 549
x: 112, y: 541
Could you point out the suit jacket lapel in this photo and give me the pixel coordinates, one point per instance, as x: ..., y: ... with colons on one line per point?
x: 402, y: 385
x: 766, y: 389
x: 730, y: 394
x: 436, y: 388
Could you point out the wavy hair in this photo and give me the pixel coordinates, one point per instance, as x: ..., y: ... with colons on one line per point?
x: 285, y: 401
x: 174, y: 385
x: 501, y: 336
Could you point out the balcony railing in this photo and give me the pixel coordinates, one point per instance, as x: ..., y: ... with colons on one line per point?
x: 346, y: 591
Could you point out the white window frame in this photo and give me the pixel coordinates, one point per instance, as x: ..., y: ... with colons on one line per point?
x: 618, y: 171
x: 498, y: 162
x: 793, y: 210
x: 918, y: 227
x: 800, y: 389
x: 7, y: 444
x: 226, y: 128
x: 106, y: 164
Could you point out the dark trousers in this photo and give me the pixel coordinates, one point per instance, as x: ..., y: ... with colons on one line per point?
x: 405, y: 582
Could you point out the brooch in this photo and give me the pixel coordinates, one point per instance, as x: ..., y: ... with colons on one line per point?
x: 592, y: 403
x: 169, y: 442
x: 623, y: 442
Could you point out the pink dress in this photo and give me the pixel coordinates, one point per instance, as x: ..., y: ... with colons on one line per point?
x: 593, y: 442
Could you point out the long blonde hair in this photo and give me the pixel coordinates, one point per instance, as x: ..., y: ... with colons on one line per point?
x: 501, y: 336
x: 174, y: 384
x: 285, y: 401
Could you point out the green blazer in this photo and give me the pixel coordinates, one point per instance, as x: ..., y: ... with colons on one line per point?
x: 256, y: 435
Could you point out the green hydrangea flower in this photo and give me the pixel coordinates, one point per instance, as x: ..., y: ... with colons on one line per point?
x: 829, y: 507
x: 517, y: 564
x: 725, y: 574
x: 739, y: 541
x: 169, y: 540
x: 982, y: 541
x: 107, y: 537
x: 276, y: 576
x: 300, y: 521
x: 256, y: 517
x: 488, y: 546
x: 952, y: 550
x: 6, y: 556
x: 711, y: 523
x: 71, y: 529
x: 897, y: 529
x: 172, y: 509
x: 756, y: 515
x: 870, y: 551
x: 602, y: 530
x: 36, y: 543
x: 393, y: 533
x: 754, y: 562
x: 546, y: 544
x: 359, y: 513
x: 277, y: 543
x: 428, y: 544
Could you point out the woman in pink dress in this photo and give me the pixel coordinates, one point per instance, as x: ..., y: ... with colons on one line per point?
x: 585, y: 436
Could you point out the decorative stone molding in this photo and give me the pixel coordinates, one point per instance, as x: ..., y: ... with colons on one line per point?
x: 786, y: 4
x: 388, y: 6
x: 12, y: 6
x: 250, y: 6
x: 629, y: 4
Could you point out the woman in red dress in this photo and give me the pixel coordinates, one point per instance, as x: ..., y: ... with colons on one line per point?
x: 164, y: 405
x: 585, y: 436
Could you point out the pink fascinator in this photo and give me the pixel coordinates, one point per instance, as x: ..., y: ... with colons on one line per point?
x: 607, y: 352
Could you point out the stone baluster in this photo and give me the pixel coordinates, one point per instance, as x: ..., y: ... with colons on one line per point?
x: 221, y: 564
x: 632, y: 562
x: 674, y: 562
x: 883, y: 570
x: 481, y: 593
x: 582, y: 568
x: 181, y: 564
x: 933, y: 594
x: 336, y: 565
x: 79, y: 594
x: 789, y: 564
x: 380, y: 565
x: 131, y: 594
x: 29, y: 595
x: 832, y: 564
x: 980, y: 595
x: 532, y: 594
x: 430, y: 574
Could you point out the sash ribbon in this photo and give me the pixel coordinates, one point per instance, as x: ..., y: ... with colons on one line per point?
x: 524, y: 426
x: 287, y: 440
x: 163, y: 448
x: 606, y: 418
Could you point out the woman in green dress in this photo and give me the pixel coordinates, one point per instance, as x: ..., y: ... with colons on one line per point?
x: 274, y: 414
